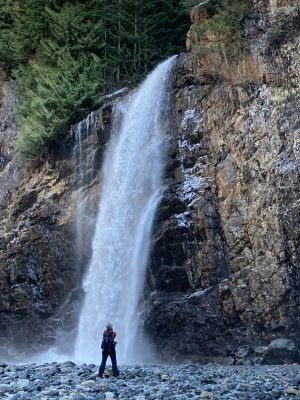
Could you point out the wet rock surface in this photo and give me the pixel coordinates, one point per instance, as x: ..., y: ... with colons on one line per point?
x: 281, y: 351
x: 47, y: 214
x: 183, y: 382
x: 225, y: 267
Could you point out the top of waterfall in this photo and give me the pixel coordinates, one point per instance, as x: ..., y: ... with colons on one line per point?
x: 117, y: 93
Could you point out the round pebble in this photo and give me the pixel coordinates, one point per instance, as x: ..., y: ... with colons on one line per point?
x: 69, y: 381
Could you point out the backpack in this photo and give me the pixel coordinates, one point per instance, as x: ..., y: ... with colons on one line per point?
x: 107, y: 341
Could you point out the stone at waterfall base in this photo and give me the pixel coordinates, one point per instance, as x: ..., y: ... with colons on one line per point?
x: 109, y: 396
x: 282, y: 351
x: 164, y: 382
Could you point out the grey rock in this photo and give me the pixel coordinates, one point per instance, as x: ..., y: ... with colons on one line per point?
x: 68, y: 364
x: 282, y: 351
x: 23, y: 383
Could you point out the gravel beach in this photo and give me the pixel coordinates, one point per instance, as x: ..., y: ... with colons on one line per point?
x: 69, y: 381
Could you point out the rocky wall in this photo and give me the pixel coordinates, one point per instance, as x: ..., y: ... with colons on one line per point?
x: 225, y: 268
x: 47, y: 219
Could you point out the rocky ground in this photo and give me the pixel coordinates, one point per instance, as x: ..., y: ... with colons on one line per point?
x: 189, y: 381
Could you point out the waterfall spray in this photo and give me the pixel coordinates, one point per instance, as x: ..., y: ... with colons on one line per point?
x: 131, y: 190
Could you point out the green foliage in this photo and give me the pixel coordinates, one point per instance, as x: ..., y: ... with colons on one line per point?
x: 64, y: 55
x: 218, y: 26
x: 77, y: 26
x: 139, y: 34
x: 54, y: 95
x: 225, y: 21
x: 62, y: 82
x: 279, y: 30
x: 284, y: 27
x: 22, y: 25
x: 226, y: 24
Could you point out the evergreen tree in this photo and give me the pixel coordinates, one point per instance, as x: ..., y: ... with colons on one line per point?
x: 55, y: 96
x: 64, y: 82
x: 64, y: 55
x: 22, y: 25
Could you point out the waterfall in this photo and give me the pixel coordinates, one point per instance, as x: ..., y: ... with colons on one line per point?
x: 130, y: 192
x: 84, y: 173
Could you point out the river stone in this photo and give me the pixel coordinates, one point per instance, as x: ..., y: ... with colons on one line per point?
x: 109, y: 396
x: 69, y: 364
x: 243, y: 355
x: 206, y: 395
x: 258, y: 361
x: 296, y: 380
x: 78, y: 397
x: 23, y: 383
x: 292, y: 390
x: 281, y: 351
x: 14, y: 396
x: 88, y: 383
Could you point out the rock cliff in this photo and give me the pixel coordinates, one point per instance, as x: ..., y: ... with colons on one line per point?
x: 225, y: 264
x: 47, y: 220
x: 224, y: 268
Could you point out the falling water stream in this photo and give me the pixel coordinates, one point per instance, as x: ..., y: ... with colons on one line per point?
x: 131, y: 190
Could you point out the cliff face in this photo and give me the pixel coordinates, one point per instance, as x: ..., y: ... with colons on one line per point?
x: 226, y: 260
x: 224, y: 268
x: 46, y: 225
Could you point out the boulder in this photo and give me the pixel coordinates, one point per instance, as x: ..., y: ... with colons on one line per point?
x: 281, y: 351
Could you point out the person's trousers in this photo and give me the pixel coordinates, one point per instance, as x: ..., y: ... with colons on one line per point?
x: 112, y: 354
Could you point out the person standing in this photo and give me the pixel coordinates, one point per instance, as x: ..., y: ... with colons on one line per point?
x: 108, y: 347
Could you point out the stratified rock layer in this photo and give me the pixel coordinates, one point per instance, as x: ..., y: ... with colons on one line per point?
x: 228, y: 232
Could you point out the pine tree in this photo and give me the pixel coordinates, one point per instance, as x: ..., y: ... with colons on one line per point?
x: 22, y: 25
x: 65, y: 55
x: 64, y: 82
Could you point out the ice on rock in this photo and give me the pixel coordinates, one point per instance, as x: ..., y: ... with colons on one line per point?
x: 186, y: 145
x: 117, y: 93
x: 183, y: 219
x: 285, y: 164
x: 189, y: 188
x: 191, y: 120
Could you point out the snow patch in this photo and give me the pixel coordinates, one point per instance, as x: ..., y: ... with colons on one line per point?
x: 285, y: 164
x: 117, y: 93
x: 192, y: 185
x: 200, y: 293
x: 191, y: 117
x: 186, y: 145
x: 183, y: 219
x: 189, y: 188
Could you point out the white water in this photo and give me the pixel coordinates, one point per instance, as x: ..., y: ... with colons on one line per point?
x: 131, y: 190
x: 84, y: 161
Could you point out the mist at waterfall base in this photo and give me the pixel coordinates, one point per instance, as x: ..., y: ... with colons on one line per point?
x: 131, y: 190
